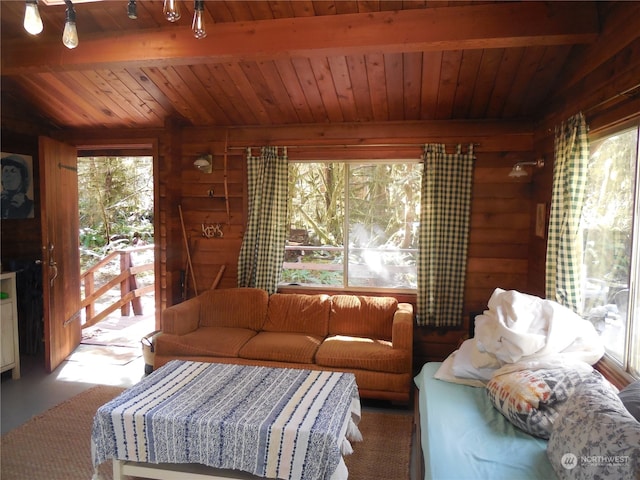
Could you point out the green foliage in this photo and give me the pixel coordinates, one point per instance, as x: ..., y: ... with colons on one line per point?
x: 115, y: 196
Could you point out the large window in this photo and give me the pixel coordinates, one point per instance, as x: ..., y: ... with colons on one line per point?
x: 610, y: 226
x: 353, y: 225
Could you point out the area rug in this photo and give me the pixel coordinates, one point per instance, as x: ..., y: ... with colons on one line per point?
x: 56, y: 444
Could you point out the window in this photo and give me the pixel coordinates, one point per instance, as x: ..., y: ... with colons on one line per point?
x: 353, y: 225
x: 610, y: 226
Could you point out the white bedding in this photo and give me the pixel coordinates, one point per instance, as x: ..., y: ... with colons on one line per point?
x: 523, y: 331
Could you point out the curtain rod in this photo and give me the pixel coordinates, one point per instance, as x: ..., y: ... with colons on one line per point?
x: 372, y: 145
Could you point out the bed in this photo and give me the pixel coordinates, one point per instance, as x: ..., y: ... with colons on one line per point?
x: 460, y: 435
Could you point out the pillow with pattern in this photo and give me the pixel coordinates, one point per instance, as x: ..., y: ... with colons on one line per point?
x: 530, y: 398
x: 595, y: 436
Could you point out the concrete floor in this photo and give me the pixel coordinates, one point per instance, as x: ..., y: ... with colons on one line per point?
x: 89, y: 365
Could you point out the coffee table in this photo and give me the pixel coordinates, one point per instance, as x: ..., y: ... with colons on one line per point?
x: 239, y: 421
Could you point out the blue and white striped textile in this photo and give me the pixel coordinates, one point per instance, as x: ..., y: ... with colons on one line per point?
x: 270, y: 422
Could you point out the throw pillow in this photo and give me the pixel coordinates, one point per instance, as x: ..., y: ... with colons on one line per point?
x: 530, y: 398
x: 595, y: 436
x: 630, y: 396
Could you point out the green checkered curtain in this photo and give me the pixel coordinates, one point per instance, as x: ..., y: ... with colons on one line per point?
x: 564, y: 245
x: 262, y: 251
x: 444, y: 235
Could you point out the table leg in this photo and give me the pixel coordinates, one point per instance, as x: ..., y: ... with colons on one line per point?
x: 117, y: 469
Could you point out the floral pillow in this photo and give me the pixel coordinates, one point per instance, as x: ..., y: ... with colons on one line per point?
x: 595, y: 436
x: 530, y: 398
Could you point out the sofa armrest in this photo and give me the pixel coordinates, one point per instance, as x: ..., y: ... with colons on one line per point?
x: 181, y: 318
x: 402, y: 330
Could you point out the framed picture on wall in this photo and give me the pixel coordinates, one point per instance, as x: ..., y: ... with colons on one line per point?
x: 541, y: 219
x: 17, y: 186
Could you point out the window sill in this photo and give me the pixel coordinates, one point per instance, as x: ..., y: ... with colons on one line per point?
x: 613, y: 372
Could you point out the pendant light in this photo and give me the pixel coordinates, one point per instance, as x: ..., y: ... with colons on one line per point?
x: 32, y: 20
x: 171, y: 10
x: 70, y: 34
x: 198, y: 19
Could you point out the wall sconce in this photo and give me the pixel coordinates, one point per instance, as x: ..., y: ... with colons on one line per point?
x: 204, y: 163
x: 518, y: 171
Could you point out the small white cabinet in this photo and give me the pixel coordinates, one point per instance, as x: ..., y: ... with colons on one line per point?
x: 9, y: 342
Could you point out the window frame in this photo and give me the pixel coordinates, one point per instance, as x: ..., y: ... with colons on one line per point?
x: 346, y: 287
x: 623, y: 372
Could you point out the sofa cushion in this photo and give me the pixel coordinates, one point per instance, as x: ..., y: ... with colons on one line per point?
x: 362, y: 316
x: 233, y: 307
x: 361, y: 353
x: 297, y: 313
x: 209, y: 341
x: 282, y: 347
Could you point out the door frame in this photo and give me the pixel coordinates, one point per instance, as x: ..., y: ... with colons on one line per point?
x: 119, y: 147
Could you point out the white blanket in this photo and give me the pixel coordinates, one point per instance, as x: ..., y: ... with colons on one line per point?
x: 521, y: 329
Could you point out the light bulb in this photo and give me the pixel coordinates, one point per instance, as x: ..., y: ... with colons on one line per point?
x: 198, y: 20
x: 70, y: 35
x: 171, y: 10
x: 32, y: 20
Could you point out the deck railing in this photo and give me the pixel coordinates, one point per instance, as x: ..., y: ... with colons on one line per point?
x: 130, y: 293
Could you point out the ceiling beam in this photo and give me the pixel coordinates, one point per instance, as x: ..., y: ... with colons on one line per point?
x: 498, y: 25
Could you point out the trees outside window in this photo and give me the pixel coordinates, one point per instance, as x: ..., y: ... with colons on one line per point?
x: 610, y: 226
x: 353, y: 225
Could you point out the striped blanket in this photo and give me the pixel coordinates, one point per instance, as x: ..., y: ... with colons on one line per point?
x: 270, y: 422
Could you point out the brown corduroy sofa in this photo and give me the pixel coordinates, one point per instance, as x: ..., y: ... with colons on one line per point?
x: 371, y: 337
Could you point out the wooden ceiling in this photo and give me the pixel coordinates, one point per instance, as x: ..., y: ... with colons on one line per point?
x: 267, y: 63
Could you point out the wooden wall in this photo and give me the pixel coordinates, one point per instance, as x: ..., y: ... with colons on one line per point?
x: 500, y: 218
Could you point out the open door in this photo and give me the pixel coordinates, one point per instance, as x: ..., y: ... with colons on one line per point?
x: 60, y: 258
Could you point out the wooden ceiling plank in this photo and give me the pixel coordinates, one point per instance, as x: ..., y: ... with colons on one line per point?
x: 226, y: 92
x: 221, y: 13
x: 505, y: 24
x: 360, y: 86
x: 431, y: 70
x: 467, y: 78
x: 540, y: 86
x: 130, y: 82
x: 310, y: 88
x: 377, y: 85
x: 343, y: 87
x: 504, y: 78
x: 258, y: 84
x: 394, y: 80
x: 321, y: 7
x: 448, y: 83
x: 237, y: 75
x: 294, y: 89
x: 217, y: 95
x: 278, y: 91
x: 195, y: 94
x: 81, y: 86
x: 303, y: 8
x: 157, y: 76
x: 151, y: 90
x: 281, y: 9
x: 486, y: 79
x: 109, y: 88
x: 412, y: 64
x: 531, y: 62
x: 52, y: 104
x: 66, y: 89
x: 327, y: 89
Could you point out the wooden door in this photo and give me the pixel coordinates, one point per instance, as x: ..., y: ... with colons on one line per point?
x: 60, y: 254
